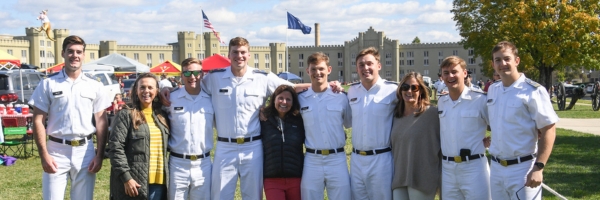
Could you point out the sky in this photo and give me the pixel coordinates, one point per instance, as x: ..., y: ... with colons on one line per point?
x: 156, y: 22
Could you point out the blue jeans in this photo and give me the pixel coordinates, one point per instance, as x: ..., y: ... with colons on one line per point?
x: 156, y: 192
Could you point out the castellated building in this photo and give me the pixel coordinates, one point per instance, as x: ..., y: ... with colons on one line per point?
x: 397, y: 58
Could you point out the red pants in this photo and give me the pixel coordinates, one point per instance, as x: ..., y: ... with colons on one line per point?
x: 282, y: 188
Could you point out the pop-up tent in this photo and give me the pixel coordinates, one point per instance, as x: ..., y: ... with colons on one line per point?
x: 167, y: 67
x: 121, y: 63
x: 8, y: 61
x: 215, y: 62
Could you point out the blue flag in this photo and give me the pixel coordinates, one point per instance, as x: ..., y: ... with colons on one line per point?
x: 295, y: 23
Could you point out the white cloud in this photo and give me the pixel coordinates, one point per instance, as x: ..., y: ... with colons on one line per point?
x: 436, y: 18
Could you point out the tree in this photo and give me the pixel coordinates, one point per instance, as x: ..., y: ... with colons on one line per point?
x: 416, y: 40
x: 549, y: 34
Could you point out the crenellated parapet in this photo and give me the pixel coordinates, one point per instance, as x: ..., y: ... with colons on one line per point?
x: 320, y: 46
x: 260, y: 48
x: 186, y: 35
x: 433, y: 44
x: 14, y: 43
x: 145, y: 47
x: 60, y: 33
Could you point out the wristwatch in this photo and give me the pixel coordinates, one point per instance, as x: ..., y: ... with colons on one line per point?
x: 540, y: 165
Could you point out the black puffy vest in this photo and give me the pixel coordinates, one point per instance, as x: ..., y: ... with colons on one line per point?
x: 283, y: 159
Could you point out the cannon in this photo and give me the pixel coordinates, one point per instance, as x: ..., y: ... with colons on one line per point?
x: 596, y: 96
x: 562, y: 92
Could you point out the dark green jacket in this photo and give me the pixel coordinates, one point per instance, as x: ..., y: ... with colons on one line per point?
x: 129, y: 152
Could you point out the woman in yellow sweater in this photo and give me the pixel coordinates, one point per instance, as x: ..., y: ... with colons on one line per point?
x: 137, y: 145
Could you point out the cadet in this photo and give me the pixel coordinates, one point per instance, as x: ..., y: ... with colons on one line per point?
x: 192, y: 117
x: 325, y: 115
x: 463, y: 121
x: 70, y: 100
x: 372, y: 101
x: 520, y: 114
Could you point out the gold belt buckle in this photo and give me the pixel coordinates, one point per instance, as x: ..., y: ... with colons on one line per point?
x: 503, y: 163
x: 193, y: 157
x: 74, y: 142
x: 362, y: 153
x: 240, y: 140
x: 325, y: 152
x: 457, y: 159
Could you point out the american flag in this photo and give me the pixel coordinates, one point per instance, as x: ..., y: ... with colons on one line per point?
x: 207, y: 24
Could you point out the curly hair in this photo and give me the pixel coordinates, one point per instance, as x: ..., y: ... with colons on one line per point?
x: 270, y: 110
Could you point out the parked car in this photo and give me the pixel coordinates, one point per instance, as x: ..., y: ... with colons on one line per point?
x: 127, y: 83
x: 12, y: 90
x: 109, y: 80
x: 589, y: 88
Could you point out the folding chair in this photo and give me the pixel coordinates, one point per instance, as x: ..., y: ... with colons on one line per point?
x: 15, y: 138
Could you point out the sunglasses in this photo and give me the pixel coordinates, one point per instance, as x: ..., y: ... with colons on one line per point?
x: 405, y: 87
x: 189, y: 73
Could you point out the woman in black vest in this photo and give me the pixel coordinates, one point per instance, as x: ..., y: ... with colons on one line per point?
x: 283, y: 137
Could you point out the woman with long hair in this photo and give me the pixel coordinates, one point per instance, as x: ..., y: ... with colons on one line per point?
x: 415, y: 142
x: 138, y: 143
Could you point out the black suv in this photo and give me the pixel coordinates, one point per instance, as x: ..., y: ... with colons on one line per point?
x: 13, y: 90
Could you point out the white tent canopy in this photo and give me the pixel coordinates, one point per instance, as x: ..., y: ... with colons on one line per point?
x: 120, y: 63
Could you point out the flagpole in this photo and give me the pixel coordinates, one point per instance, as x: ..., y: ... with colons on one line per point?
x: 286, y: 44
x: 201, y: 34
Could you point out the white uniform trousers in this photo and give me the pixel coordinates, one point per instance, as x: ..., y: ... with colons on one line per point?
x: 506, y: 181
x: 73, y: 162
x: 408, y: 193
x: 189, y: 179
x: 371, y: 176
x: 320, y: 172
x: 466, y: 180
x: 234, y: 160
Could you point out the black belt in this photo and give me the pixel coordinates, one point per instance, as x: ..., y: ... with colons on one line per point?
x: 71, y: 142
x: 459, y: 159
x: 191, y: 157
x: 513, y: 161
x: 371, y: 152
x: 325, y: 151
x: 239, y: 140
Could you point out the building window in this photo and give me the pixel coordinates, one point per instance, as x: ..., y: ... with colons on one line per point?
x: 161, y: 57
x: 471, y: 61
x: 454, y: 52
x: 189, y: 44
x: 42, y: 54
x: 425, y: 54
x: 353, y: 56
x: 267, y: 57
x: 92, y: 56
x: 340, y: 63
x: 280, y: 65
x: 327, y: 54
x: 279, y: 57
x: 42, y: 43
x: 440, y: 61
x: 426, y: 72
x: 441, y: 54
x: 401, y: 62
x: 388, y: 63
x: 471, y: 52
x: 301, y: 74
x: 49, y: 44
x: 354, y: 75
x: 149, y: 59
x: 410, y: 62
x: 341, y: 73
x: 301, y: 56
x: 256, y: 65
x: 340, y: 55
x: 9, y: 51
x: 354, y: 63
x: 24, y: 54
x: 388, y: 74
x: 267, y: 65
x: 301, y: 64
x: 124, y: 54
x: 136, y: 56
x: 401, y: 55
x: 426, y: 62
x: 388, y: 55
x: 256, y: 59
x: 214, y: 45
x: 410, y: 54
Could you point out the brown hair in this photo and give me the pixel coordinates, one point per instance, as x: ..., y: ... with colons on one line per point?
x: 238, y: 41
x: 137, y: 115
x: 270, y: 110
x: 423, y: 99
x: 188, y: 61
x: 506, y: 45
x: 318, y: 57
x: 73, y: 39
x: 452, y: 61
x: 371, y: 50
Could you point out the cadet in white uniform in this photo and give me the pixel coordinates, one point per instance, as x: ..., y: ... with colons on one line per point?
x: 372, y: 101
x: 70, y: 100
x: 192, y: 116
x: 463, y: 120
x: 523, y: 129
x: 325, y: 115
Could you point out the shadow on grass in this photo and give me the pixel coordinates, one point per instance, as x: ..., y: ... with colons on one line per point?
x: 574, y: 168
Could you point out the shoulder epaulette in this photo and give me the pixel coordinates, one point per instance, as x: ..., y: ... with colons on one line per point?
x: 54, y: 74
x: 258, y: 71
x: 91, y: 77
x: 351, y: 84
x: 175, y: 89
x: 217, y: 70
x: 480, y: 92
x: 497, y: 80
x: 305, y: 89
x: 392, y: 82
x: 532, y: 83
